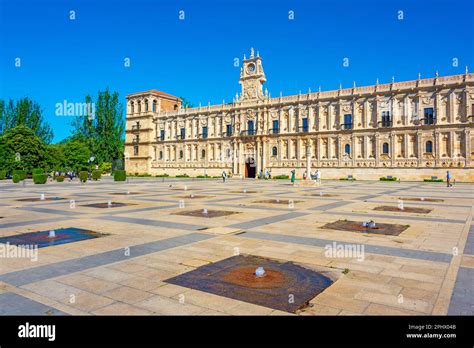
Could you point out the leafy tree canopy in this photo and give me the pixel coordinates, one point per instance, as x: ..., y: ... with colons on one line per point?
x: 24, y: 112
x: 21, y: 148
x: 103, y: 131
x: 76, y: 156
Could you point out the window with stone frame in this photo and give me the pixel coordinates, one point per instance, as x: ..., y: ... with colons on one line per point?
x: 429, y: 146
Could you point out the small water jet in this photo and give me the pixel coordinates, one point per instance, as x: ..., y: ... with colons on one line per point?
x: 369, y: 224
x: 52, y: 234
x: 185, y: 188
x: 400, y: 205
x: 109, y: 204
x: 204, y: 211
x: 42, y: 197
x: 260, y: 272
x: 192, y: 196
x: 245, y: 191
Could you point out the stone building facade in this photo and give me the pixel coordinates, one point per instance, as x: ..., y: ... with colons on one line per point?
x: 412, y: 130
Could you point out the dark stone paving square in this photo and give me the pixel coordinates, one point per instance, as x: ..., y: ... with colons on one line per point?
x: 421, y: 199
x: 42, y: 239
x: 356, y: 226
x: 277, y: 201
x: 284, y: 286
x: 38, y: 199
x: 14, y: 304
x: 209, y: 213
x: 404, y: 210
x: 245, y: 191
x: 192, y: 196
x: 107, y: 205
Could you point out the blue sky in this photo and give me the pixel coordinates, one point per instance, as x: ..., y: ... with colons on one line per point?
x: 63, y: 59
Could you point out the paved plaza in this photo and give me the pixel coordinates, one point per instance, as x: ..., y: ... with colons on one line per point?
x: 427, y: 269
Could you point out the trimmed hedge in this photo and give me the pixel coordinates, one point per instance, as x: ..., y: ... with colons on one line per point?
x: 282, y: 177
x: 16, y: 178
x: 37, y: 171
x: 348, y: 179
x: 433, y: 180
x: 162, y: 175
x: 83, y: 175
x: 20, y: 173
x: 40, y: 178
x: 3, y: 174
x: 383, y: 178
x: 120, y: 175
x: 96, y: 174
x: 182, y: 176
x: 60, y: 178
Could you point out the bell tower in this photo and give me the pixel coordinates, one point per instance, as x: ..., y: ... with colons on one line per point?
x: 252, y: 78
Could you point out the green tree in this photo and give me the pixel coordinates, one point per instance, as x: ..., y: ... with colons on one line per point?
x: 20, y: 148
x: 24, y: 112
x: 76, y: 155
x: 103, y: 132
x: 54, y: 159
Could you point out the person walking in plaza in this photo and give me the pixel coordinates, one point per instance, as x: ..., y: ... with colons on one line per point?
x: 293, y: 172
x: 318, y: 176
x: 224, y: 176
x: 448, y: 179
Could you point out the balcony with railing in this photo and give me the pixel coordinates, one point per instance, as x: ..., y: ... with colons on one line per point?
x: 274, y: 131
x: 303, y: 129
x: 385, y: 123
x: 249, y: 132
x: 426, y: 121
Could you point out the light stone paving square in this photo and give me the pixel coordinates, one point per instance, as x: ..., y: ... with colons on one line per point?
x: 124, y: 273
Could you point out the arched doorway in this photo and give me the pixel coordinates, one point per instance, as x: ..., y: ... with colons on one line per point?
x: 250, y: 167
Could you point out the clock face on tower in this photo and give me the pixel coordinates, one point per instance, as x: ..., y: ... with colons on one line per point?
x: 251, y: 68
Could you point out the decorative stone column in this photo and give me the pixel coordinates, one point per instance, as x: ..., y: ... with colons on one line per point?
x: 419, y: 153
x: 353, y: 149
x: 377, y: 149
x: 339, y: 150
x: 308, y: 159
x: 451, y: 144
x: 318, y: 151
x: 393, y: 149
x: 436, y: 147
x: 467, y: 146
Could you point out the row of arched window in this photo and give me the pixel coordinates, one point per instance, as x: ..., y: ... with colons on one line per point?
x: 181, y: 154
x: 139, y: 106
x: 385, y: 148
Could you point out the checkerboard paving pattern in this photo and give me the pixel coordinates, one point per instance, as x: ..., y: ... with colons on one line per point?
x: 426, y: 269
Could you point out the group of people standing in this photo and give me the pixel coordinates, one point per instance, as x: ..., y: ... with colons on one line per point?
x: 316, y: 176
